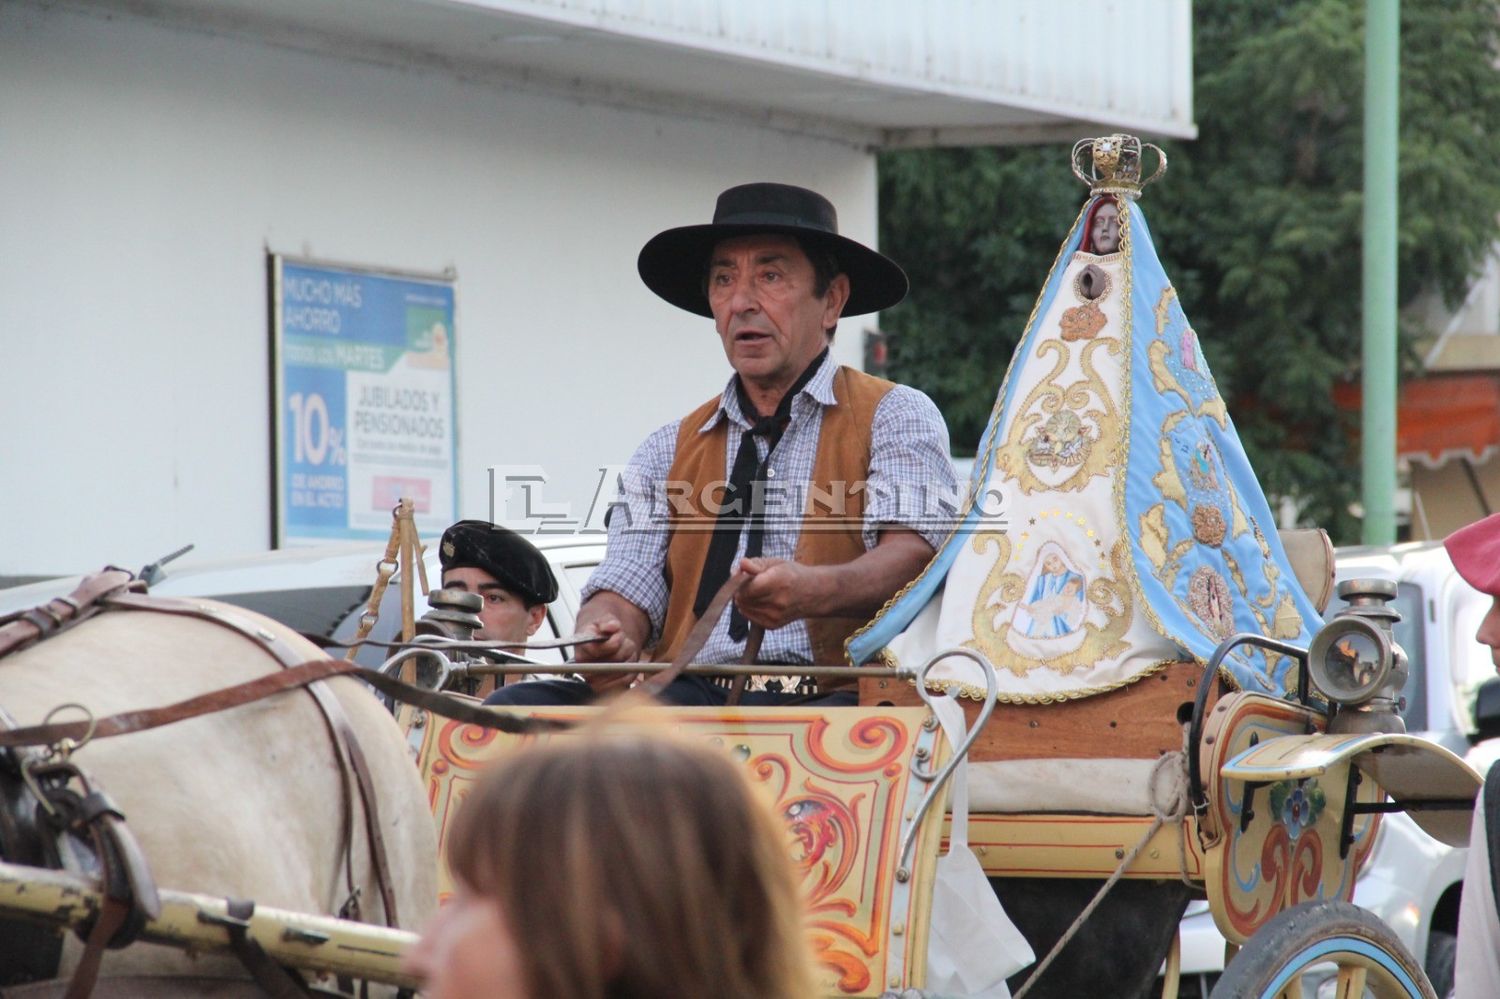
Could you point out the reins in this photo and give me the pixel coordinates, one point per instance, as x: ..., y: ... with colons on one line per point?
x: 292, y: 677
x: 130, y: 894
x: 262, y: 687
x: 129, y: 891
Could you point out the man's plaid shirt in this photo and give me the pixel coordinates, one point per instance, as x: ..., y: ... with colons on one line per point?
x: 911, y: 484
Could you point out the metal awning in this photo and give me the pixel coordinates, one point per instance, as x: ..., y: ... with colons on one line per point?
x: 877, y: 73
x: 1440, y: 417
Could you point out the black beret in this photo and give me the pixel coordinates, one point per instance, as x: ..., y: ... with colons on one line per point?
x: 511, y: 559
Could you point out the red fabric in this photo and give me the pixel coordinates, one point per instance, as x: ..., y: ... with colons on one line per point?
x: 1439, y: 415
x: 1475, y: 551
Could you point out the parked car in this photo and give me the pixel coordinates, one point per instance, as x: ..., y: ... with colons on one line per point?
x: 323, y: 590
x: 1411, y: 881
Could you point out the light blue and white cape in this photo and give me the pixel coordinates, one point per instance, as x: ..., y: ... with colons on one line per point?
x: 1113, y: 522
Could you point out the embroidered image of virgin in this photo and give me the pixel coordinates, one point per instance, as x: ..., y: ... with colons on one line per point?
x: 1054, y: 604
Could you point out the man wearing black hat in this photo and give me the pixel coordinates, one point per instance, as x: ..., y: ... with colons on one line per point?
x: 827, y: 487
x: 507, y: 572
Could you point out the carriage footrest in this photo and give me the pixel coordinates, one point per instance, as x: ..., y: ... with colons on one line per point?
x: 1432, y: 783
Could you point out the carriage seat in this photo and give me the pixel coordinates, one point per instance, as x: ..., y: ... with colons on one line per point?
x: 1095, y: 755
x: 1092, y: 786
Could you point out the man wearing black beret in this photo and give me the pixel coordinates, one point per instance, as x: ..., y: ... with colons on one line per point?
x: 507, y: 572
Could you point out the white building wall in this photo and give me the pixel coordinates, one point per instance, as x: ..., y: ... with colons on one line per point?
x: 144, y: 173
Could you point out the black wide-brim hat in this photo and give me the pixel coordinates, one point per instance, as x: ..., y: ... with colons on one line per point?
x: 674, y: 264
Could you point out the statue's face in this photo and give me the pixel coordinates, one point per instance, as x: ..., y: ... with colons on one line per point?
x: 1104, y: 230
x: 1052, y: 565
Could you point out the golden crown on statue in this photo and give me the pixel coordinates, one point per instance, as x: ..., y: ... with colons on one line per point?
x: 1111, y: 164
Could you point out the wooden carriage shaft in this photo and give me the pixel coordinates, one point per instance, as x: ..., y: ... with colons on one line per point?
x: 194, y: 922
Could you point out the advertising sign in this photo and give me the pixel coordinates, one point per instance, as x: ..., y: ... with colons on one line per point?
x: 364, y: 408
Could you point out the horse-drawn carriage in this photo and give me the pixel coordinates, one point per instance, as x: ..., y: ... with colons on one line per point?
x: 1173, y: 722
x: 1272, y: 832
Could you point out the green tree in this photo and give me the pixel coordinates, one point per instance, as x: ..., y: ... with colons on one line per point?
x: 1257, y: 222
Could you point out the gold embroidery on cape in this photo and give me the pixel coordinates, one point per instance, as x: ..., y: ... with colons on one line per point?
x: 1153, y: 540
x: 1082, y: 322
x: 1211, y: 601
x: 1162, y: 377
x: 1238, y: 522
x: 1153, y: 537
x: 1167, y: 481
x: 1046, y: 400
x: 1002, y: 590
x: 1062, y: 442
x: 1208, y: 525
x: 1287, y: 623
x: 1238, y: 575
x: 1168, y: 295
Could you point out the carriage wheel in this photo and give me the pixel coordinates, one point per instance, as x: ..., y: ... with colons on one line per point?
x: 1344, y: 943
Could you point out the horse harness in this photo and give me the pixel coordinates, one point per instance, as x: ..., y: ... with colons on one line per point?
x: 42, y: 819
x: 33, y: 782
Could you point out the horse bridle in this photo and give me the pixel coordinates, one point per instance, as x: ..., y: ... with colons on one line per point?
x: 129, y: 892
x: 116, y: 588
x: 42, y: 811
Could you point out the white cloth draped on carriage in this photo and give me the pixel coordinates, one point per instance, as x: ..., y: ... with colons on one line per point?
x: 1113, y: 522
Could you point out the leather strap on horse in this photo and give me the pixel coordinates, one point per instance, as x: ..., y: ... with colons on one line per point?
x: 262, y: 687
x: 347, y: 751
x: 129, y: 894
x: 28, y: 952
x: 59, y: 613
x: 111, y: 918
x: 278, y: 982
x: 347, y: 742
x: 384, y: 570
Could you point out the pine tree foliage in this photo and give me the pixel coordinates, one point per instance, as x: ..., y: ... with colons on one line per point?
x: 1258, y: 223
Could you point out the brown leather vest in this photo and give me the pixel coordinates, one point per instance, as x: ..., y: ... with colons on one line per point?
x: 843, y: 457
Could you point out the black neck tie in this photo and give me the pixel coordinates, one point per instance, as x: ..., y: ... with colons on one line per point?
x: 744, y: 499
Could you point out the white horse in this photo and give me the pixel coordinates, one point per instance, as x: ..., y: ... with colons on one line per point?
x: 245, y: 803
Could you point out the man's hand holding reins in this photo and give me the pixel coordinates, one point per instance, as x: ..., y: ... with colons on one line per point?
x: 780, y: 592
x: 624, y: 628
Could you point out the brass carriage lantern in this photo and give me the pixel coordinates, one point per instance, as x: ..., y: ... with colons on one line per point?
x: 1355, y: 661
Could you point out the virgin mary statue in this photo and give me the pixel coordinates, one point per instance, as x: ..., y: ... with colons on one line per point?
x: 1113, y: 522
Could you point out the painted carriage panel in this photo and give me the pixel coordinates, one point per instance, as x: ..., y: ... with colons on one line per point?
x: 842, y: 782
x: 1279, y: 846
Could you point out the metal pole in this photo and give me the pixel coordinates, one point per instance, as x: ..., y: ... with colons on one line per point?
x: 1378, y: 440
x: 462, y: 670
